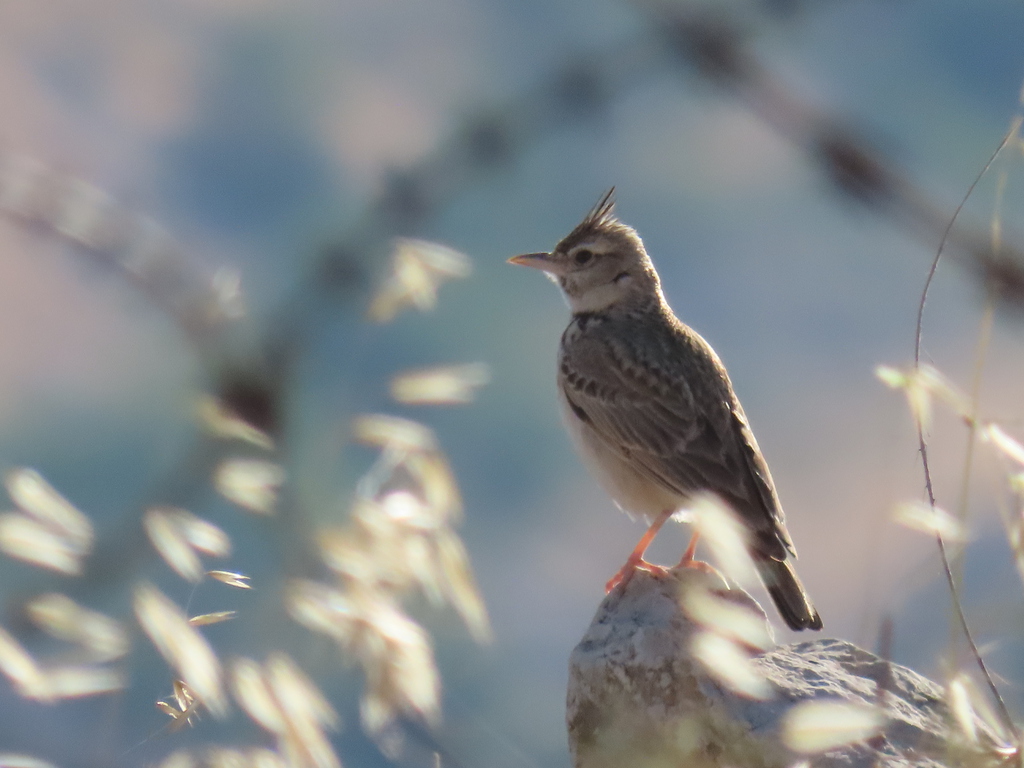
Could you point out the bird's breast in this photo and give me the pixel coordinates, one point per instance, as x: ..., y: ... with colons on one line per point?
x: 613, y: 468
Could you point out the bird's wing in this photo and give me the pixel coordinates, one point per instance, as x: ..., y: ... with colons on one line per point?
x: 762, y: 481
x: 671, y: 412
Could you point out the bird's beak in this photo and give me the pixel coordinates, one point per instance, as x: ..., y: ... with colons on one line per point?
x: 536, y: 260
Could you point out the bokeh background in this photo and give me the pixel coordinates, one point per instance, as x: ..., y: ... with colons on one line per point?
x: 277, y: 138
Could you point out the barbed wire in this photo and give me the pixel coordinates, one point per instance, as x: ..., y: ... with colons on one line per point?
x: 715, y: 47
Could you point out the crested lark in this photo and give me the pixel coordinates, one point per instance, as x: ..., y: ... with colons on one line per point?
x: 651, y: 408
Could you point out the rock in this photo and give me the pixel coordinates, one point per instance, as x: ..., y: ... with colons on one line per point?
x: 638, y: 696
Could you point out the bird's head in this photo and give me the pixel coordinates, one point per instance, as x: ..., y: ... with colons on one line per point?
x: 601, y: 264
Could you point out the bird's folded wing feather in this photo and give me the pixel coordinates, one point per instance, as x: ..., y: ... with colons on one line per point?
x: 683, y: 439
x: 763, y: 483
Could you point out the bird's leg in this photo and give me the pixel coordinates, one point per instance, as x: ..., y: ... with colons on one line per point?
x: 636, y: 557
x: 689, y: 561
x: 691, y: 550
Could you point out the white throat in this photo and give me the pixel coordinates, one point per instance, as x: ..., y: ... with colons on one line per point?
x: 599, y: 297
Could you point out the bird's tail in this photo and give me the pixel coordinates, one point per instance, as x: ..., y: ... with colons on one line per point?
x: 788, y: 594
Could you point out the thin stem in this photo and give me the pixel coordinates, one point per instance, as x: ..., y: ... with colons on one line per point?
x: 923, y: 445
x: 945, y: 237
x: 958, y: 609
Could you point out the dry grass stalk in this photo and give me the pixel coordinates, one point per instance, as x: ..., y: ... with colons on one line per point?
x: 814, y: 727
x: 726, y: 537
x: 727, y: 618
x: 435, y: 483
x: 400, y: 539
x: 921, y: 385
x: 172, y: 546
x: 1008, y: 446
x: 731, y: 665
x: 393, y: 434
x: 281, y: 699
x: 960, y: 705
x: 218, y: 420
x: 183, y: 707
x: 231, y: 578
x: 970, y: 708
x: 1014, y: 524
x: 38, y: 498
x: 25, y: 539
x: 18, y: 666
x: 393, y: 650
x: 48, y: 531
x: 418, y: 269
x: 253, y: 694
x: 216, y: 617
x: 928, y: 517
x: 250, y: 483
x: 919, y: 516
x: 440, y: 386
x: 177, y: 535
x: 403, y: 537
x: 48, y: 684
x: 76, y: 682
x: 181, y: 646
x: 62, y: 617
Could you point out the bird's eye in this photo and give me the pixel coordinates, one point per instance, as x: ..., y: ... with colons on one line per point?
x: 583, y: 256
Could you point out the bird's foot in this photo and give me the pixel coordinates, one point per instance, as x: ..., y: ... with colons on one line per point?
x: 632, y: 566
x: 697, y: 565
x: 636, y: 557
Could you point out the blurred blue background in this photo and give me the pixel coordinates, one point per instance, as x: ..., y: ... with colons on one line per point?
x: 260, y: 133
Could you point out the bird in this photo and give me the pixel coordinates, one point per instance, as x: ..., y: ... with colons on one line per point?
x: 651, y: 408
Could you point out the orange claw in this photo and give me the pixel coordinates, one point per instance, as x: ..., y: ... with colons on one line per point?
x: 636, y: 557
x: 626, y: 573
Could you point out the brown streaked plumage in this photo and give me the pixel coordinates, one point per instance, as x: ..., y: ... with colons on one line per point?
x: 650, y: 406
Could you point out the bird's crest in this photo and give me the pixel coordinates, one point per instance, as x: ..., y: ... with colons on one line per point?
x: 601, y: 217
x: 603, y: 212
